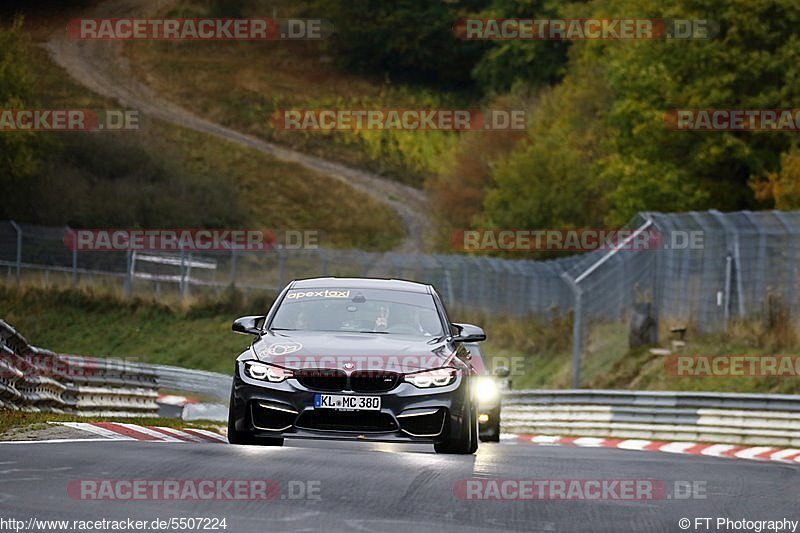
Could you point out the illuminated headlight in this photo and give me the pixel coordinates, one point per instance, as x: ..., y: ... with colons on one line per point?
x: 486, y: 390
x: 439, y: 377
x: 271, y: 373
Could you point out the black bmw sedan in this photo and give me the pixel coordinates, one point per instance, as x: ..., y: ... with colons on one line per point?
x: 360, y: 359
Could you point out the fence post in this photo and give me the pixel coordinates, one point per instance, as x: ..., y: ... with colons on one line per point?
x: 281, y: 267
x: 726, y: 309
x: 188, y: 284
x: 577, y: 330
x: 323, y: 262
x: 19, y: 247
x: 733, y: 255
x: 234, y: 257
x: 74, y: 259
x: 365, y: 262
x: 448, y: 283
x: 183, y: 273
x: 129, y: 266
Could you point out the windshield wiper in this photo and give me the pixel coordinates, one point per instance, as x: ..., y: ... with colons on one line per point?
x: 369, y: 331
x: 283, y: 329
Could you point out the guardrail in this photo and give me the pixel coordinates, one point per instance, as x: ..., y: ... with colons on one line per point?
x: 730, y: 418
x: 35, y: 379
x: 211, y: 385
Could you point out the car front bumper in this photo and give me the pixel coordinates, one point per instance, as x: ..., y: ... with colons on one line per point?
x: 407, y: 414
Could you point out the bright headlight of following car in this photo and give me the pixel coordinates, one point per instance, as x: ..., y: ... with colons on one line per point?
x: 486, y: 390
x: 439, y: 377
x: 265, y: 372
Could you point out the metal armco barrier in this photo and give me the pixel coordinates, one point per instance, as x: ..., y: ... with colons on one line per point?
x: 211, y: 385
x: 730, y: 418
x: 34, y: 379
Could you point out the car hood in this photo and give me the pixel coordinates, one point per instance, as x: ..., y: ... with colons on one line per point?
x: 350, y: 351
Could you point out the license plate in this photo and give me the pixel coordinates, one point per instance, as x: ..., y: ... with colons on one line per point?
x: 347, y: 403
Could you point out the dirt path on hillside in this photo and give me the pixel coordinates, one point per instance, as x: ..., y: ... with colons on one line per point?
x: 101, y: 67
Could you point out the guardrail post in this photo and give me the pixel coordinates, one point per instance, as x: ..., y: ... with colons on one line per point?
x: 19, y: 247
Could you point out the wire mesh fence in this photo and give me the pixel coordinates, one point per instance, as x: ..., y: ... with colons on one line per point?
x: 706, y: 270
x: 698, y: 269
x: 487, y: 283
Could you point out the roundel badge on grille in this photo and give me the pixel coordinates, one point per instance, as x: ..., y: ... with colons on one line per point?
x: 284, y: 348
x: 348, y: 366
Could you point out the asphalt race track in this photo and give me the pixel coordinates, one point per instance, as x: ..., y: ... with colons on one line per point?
x: 390, y: 487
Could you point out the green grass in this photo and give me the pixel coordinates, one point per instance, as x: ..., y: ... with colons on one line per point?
x: 541, y: 351
x: 87, y: 322
x: 640, y: 369
x: 16, y: 419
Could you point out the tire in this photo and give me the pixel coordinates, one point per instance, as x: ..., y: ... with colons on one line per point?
x: 466, y: 443
x: 245, y: 437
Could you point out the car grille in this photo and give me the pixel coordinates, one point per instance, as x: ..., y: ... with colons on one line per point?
x: 322, y: 379
x: 361, y: 421
x: 363, y: 381
x: 373, y: 381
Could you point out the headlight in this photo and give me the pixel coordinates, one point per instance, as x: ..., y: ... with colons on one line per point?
x: 263, y: 371
x: 486, y: 390
x: 439, y: 377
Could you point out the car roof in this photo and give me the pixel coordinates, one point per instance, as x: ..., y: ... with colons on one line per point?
x: 361, y: 283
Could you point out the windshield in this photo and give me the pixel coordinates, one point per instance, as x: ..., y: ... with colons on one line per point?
x: 377, y: 311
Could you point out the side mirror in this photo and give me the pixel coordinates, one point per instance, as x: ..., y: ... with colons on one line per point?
x: 248, y: 325
x: 469, y: 333
x: 502, y: 372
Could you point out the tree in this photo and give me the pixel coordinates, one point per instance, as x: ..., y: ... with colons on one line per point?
x: 18, y: 156
x: 509, y: 62
x: 551, y: 180
x: 781, y: 188
x: 408, y: 39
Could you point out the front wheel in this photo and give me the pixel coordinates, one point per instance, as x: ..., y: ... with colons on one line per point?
x: 245, y: 437
x: 465, y: 443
